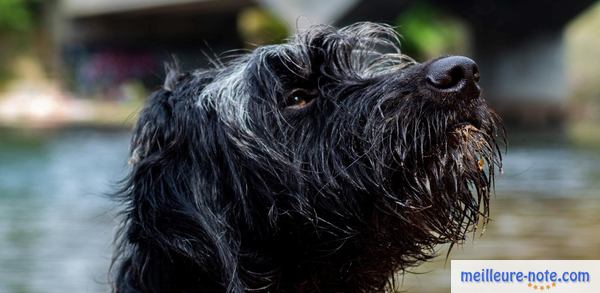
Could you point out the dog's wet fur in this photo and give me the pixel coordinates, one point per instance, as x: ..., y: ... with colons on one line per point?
x: 324, y: 164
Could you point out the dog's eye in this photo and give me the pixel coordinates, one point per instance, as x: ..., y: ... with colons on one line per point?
x: 299, y: 98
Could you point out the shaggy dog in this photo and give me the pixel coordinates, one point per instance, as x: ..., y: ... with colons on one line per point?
x: 325, y: 164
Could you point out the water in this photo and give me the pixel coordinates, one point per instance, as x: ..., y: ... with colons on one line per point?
x: 56, y: 224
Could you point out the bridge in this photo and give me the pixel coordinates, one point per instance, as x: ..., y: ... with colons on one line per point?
x: 518, y: 44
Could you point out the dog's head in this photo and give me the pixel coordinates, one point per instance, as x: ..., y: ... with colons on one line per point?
x: 335, y: 136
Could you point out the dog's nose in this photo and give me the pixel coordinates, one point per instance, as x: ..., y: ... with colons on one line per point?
x: 454, y: 75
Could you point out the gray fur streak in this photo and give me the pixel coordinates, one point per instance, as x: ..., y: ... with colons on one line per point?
x: 374, y: 50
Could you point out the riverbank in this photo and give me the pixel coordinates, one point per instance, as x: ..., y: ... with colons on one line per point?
x: 36, y: 102
x: 52, y: 112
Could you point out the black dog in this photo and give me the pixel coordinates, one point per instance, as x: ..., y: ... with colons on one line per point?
x: 325, y: 164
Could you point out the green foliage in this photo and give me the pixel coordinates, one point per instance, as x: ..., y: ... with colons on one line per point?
x: 15, y: 16
x: 17, y: 23
x: 428, y: 32
x: 258, y: 26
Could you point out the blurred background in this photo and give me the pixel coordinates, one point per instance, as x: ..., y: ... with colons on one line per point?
x: 73, y: 74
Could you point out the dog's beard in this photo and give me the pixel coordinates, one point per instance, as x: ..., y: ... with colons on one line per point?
x: 442, y: 178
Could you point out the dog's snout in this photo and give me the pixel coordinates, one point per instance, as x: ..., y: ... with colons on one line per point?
x: 454, y: 75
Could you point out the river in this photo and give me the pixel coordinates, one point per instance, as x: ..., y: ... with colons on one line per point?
x: 57, y: 222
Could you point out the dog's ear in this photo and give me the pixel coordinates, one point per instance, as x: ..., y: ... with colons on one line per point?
x: 175, y: 236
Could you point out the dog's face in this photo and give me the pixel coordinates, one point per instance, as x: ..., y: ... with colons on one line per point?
x: 335, y: 128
